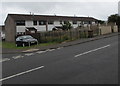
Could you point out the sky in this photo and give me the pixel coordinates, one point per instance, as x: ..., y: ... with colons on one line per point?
x: 119, y: 8
x: 97, y: 9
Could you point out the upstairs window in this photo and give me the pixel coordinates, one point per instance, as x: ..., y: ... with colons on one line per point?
x: 34, y: 22
x: 50, y: 22
x: 74, y: 22
x: 20, y: 22
x: 42, y: 22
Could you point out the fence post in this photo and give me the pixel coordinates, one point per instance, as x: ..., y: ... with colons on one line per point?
x: 84, y: 34
x: 59, y: 35
x: 70, y: 35
x: 39, y: 37
x: 79, y: 34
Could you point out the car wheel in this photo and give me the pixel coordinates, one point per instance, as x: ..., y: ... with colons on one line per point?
x: 23, y: 44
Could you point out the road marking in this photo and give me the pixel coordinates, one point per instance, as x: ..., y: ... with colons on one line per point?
x: 17, y: 57
x: 39, y: 52
x: 92, y: 51
x: 5, y: 59
x: 29, y: 54
x: 51, y: 49
x: 59, y: 48
x: 47, y: 50
x: 21, y: 73
x: 30, y: 50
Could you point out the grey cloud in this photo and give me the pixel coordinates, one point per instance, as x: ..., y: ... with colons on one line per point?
x: 100, y: 10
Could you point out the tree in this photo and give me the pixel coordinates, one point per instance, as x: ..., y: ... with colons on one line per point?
x: 114, y: 19
x: 101, y: 22
x: 66, y: 25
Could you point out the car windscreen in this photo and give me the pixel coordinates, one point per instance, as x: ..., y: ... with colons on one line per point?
x: 27, y: 37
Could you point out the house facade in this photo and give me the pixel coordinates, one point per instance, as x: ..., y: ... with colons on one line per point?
x: 17, y: 24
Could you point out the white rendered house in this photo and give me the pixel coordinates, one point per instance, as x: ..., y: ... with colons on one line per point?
x: 20, y: 23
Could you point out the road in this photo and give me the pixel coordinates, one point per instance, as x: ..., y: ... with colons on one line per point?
x: 94, y: 62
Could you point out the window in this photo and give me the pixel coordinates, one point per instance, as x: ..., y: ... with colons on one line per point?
x: 20, y: 22
x: 50, y: 22
x: 65, y: 22
x: 74, y: 22
x: 86, y: 22
x: 34, y: 22
x: 90, y: 22
x: 42, y: 22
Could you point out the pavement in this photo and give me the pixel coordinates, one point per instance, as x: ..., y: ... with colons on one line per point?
x: 64, y: 44
x: 93, y: 62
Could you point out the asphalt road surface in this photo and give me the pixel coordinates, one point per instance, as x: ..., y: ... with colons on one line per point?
x: 94, y: 62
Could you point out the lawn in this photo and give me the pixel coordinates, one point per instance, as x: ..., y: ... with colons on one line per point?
x: 12, y: 45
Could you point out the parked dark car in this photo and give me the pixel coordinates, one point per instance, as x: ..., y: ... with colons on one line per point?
x: 26, y: 40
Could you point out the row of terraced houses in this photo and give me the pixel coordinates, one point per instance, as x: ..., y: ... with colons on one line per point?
x: 16, y: 24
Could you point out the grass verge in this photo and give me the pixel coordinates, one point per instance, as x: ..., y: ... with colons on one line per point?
x: 12, y: 45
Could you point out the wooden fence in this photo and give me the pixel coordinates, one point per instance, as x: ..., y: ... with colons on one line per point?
x: 76, y: 33
x: 60, y: 36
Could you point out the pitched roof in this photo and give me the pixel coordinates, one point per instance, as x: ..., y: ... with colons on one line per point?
x: 49, y: 17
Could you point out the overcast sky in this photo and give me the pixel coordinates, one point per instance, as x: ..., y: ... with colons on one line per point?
x: 99, y: 10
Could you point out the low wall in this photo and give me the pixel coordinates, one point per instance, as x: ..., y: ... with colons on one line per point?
x: 115, y: 29
x: 105, y: 30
